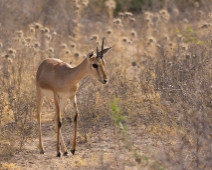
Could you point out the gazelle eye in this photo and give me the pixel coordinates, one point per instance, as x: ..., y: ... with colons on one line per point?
x: 95, y: 66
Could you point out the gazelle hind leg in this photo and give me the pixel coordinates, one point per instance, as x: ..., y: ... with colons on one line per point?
x: 39, y: 105
x: 75, y: 125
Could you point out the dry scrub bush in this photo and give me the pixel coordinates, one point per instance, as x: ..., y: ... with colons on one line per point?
x: 18, y: 98
x: 184, y: 82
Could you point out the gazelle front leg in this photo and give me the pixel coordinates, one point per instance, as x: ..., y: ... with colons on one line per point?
x: 63, y: 146
x: 58, y: 122
x: 75, y: 125
x: 39, y: 105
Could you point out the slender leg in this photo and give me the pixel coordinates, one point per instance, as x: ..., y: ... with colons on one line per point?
x: 39, y: 105
x: 58, y: 122
x: 63, y: 146
x: 75, y: 126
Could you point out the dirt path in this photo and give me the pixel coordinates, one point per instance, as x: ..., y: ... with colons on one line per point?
x: 101, y: 151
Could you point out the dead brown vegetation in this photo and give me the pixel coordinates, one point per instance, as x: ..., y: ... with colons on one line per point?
x: 160, y: 70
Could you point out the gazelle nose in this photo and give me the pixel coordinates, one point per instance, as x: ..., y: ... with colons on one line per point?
x: 105, y: 81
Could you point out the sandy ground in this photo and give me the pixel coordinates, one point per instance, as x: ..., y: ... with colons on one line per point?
x: 102, y: 150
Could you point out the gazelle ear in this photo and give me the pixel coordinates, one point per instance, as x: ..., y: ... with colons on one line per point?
x: 90, y: 54
x: 105, y: 50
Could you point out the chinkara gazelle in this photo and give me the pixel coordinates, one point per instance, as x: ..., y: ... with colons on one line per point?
x: 60, y: 81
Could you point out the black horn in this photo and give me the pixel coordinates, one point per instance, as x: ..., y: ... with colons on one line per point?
x: 97, y: 53
x: 102, y: 49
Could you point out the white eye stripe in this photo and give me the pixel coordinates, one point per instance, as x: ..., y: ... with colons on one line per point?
x: 103, y: 61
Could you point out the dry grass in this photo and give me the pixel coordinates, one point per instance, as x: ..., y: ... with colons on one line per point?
x: 159, y: 68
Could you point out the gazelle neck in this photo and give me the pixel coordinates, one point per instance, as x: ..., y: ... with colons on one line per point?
x: 80, y: 71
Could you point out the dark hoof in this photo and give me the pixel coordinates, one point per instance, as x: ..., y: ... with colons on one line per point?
x: 59, y: 155
x: 73, y: 151
x: 42, y: 152
x: 65, y: 153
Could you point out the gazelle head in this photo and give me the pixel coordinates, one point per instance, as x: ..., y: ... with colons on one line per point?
x: 97, y: 64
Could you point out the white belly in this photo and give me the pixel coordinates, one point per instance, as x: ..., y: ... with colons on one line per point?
x: 48, y: 93
x: 62, y: 95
